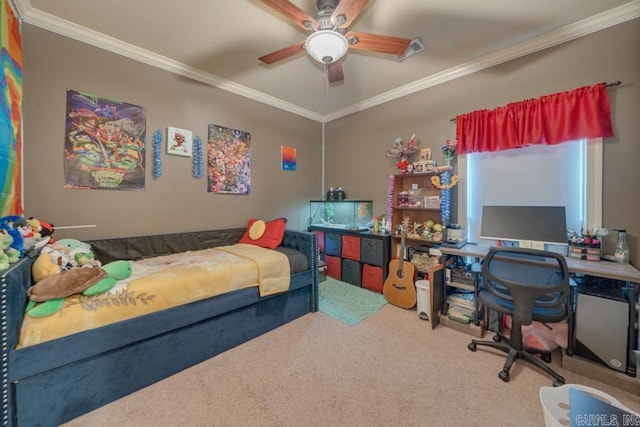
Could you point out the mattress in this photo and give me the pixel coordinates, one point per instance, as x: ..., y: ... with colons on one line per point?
x: 167, y: 281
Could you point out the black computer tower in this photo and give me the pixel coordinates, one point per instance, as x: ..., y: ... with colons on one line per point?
x: 602, y: 324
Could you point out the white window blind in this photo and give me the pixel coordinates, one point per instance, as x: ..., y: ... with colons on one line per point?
x: 542, y: 175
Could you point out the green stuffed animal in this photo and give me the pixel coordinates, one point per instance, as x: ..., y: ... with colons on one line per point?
x: 80, y: 252
x: 47, y: 296
x: 8, y: 254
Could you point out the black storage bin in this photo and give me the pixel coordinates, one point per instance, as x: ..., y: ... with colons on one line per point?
x: 333, y: 244
x: 372, y: 251
x: 351, y: 272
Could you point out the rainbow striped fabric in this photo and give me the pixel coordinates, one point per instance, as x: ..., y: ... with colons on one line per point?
x: 10, y: 112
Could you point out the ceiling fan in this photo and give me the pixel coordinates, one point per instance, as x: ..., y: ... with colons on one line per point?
x: 329, y: 37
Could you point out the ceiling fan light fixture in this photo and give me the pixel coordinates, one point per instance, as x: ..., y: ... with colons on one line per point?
x: 326, y: 46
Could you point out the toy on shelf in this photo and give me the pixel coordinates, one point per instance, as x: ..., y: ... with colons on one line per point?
x: 403, y: 151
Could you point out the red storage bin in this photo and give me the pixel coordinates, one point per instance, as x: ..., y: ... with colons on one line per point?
x: 320, y: 235
x: 334, y: 266
x: 351, y: 247
x: 372, y: 278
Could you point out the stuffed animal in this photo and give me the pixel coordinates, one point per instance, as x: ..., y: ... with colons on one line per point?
x: 41, y: 228
x: 80, y: 252
x: 44, y: 266
x: 47, y: 296
x: 8, y: 254
x: 11, y: 225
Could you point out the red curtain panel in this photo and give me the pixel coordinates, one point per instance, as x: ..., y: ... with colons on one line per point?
x: 550, y: 119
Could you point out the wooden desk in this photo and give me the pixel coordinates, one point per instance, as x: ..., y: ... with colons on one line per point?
x: 604, y: 269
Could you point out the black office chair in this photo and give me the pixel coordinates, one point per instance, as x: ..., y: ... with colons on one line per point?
x: 529, y: 285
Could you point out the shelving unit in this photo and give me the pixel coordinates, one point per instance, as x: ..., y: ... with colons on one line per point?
x: 359, y: 258
x: 457, y: 278
x: 418, y: 213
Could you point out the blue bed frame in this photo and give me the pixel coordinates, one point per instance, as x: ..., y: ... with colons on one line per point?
x: 56, y: 381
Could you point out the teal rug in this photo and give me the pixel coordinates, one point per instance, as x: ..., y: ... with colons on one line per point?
x: 348, y: 303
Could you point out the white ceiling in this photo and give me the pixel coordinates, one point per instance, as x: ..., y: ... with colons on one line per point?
x: 218, y: 42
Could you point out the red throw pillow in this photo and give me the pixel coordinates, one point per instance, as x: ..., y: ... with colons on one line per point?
x: 272, y: 236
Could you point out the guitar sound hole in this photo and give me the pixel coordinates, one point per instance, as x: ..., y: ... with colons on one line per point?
x: 400, y: 274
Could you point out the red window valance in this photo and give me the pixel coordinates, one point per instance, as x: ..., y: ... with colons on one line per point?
x: 550, y: 119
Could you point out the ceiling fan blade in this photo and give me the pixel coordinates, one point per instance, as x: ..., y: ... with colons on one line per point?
x: 293, y: 12
x: 377, y: 43
x: 335, y: 72
x: 350, y: 9
x: 283, y: 53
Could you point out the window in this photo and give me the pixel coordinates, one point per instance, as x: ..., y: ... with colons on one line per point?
x: 567, y: 174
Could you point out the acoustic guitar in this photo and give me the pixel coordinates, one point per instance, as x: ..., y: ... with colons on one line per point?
x: 399, y: 288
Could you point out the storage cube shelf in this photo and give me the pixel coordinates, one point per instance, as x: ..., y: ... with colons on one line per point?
x: 357, y: 257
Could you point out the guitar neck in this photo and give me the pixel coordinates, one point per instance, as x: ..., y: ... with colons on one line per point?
x: 401, y: 257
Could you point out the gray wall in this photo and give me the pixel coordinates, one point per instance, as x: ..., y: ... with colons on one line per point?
x: 175, y: 201
x: 355, y: 145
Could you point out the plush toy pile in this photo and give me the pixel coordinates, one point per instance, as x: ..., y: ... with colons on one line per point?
x: 61, y: 269
x: 19, y: 236
x: 47, y: 296
x: 68, y: 267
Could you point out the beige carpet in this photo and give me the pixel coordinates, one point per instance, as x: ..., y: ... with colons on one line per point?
x: 391, y: 369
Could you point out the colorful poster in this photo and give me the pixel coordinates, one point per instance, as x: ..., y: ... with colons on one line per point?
x: 288, y: 156
x: 10, y: 112
x: 229, y: 161
x: 105, y: 143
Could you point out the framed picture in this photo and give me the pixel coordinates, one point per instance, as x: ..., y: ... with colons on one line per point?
x: 179, y: 142
x: 425, y: 154
x: 288, y: 158
x: 228, y: 161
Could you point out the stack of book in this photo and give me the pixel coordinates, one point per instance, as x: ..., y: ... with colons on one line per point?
x: 461, y: 306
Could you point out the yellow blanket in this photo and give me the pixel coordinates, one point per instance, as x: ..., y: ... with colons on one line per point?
x: 163, y: 282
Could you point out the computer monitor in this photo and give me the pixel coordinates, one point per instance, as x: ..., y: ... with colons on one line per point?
x: 530, y: 226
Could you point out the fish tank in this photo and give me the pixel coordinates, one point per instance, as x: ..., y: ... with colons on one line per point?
x: 342, y: 214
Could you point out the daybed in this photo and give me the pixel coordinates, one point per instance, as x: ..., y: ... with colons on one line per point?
x: 58, y: 380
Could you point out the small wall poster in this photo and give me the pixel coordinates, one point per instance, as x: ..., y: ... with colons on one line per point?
x: 105, y: 143
x: 179, y: 142
x: 228, y: 161
x: 288, y: 157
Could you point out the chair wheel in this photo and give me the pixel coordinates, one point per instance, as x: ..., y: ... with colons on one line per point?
x: 472, y: 346
x: 504, y: 376
x: 546, y: 357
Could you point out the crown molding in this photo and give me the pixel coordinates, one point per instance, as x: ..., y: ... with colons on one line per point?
x: 569, y: 32
x: 74, y: 31
x: 573, y: 31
